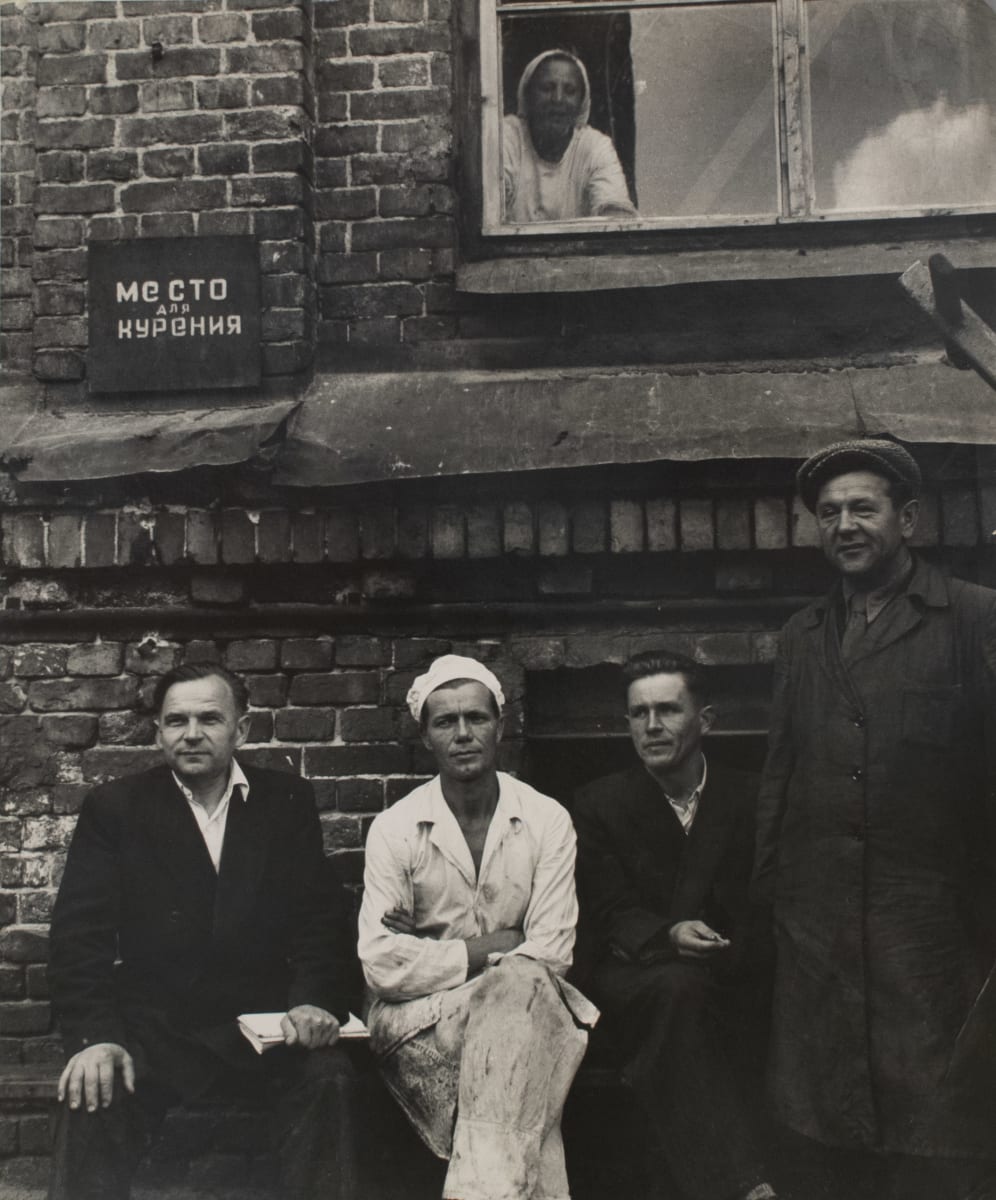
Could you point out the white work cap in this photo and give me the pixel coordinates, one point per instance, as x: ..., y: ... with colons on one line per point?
x: 447, y: 669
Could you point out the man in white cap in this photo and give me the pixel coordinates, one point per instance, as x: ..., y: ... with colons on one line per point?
x: 466, y: 930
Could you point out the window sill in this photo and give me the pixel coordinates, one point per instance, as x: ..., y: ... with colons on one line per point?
x: 589, y: 273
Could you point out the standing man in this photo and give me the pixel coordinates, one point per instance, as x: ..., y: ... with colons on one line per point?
x: 874, y: 830
x: 677, y: 952
x: 466, y: 928
x: 192, y: 893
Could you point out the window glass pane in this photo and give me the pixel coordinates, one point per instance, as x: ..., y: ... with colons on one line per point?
x: 653, y: 113
x: 903, y: 103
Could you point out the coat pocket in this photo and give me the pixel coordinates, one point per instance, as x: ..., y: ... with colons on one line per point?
x: 930, y: 715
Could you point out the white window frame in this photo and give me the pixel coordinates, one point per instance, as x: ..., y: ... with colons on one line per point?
x: 793, y: 122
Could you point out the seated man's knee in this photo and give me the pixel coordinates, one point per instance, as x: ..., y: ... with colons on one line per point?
x: 682, y: 984
x: 515, y: 980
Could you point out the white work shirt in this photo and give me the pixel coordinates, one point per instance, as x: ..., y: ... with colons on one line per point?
x: 213, y: 827
x: 685, y: 810
x: 417, y: 860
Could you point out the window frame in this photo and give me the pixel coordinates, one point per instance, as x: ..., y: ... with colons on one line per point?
x: 793, y: 122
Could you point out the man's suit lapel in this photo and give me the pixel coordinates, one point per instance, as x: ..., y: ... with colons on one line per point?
x: 705, y: 846
x: 178, y: 845
x: 658, y: 823
x: 242, y: 859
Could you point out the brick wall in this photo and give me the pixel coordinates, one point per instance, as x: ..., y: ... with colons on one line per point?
x: 158, y: 119
x: 326, y: 128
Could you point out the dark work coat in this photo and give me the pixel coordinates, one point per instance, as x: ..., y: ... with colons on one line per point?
x: 875, y: 840
x: 639, y: 873
x: 195, y: 948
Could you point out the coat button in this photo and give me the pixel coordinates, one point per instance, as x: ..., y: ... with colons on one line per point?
x: 859, y: 721
x: 857, y: 774
x: 175, y: 916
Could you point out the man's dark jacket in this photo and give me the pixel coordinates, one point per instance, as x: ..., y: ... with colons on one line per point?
x: 639, y: 873
x: 876, y: 823
x: 154, y: 950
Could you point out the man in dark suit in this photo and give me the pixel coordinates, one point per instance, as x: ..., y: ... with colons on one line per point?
x: 675, y: 953
x: 193, y: 893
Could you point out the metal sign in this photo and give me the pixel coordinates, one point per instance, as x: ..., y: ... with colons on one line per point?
x: 174, y: 314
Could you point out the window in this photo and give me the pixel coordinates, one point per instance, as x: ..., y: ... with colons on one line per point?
x: 643, y: 114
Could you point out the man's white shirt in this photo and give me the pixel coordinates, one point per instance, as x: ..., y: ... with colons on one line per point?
x: 213, y: 827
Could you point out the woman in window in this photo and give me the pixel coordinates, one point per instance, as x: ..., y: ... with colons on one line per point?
x: 556, y: 166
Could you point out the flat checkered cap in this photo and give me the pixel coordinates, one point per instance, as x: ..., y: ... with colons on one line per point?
x: 864, y: 454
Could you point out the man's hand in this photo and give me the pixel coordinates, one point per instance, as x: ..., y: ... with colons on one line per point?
x: 398, y: 921
x: 89, y: 1075
x: 694, y: 939
x: 309, y: 1026
x: 499, y: 942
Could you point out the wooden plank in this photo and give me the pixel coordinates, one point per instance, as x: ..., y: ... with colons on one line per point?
x: 972, y: 335
x: 362, y: 428
x: 586, y: 273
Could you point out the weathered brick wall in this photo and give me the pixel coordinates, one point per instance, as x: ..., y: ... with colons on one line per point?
x: 160, y: 119
x: 18, y: 102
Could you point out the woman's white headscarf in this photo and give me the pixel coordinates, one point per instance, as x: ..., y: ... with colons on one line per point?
x: 530, y: 71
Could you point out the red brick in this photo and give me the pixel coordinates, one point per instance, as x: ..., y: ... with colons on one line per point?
x: 61, y: 38
x: 350, y: 687
x: 662, y: 516
x: 185, y: 195
x: 342, y: 12
x: 287, y: 25
x: 57, y: 695
x: 175, y: 63
x: 62, y: 102
x: 171, y: 163
x: 200, y: 650
x: 723, y: 648
x: 113, y: 35
x: 39, y: 660
x: 697, y: 531
x: 960, y: 517
x: 377, y: 531
x: 274, y: 536
x: 202, y: 536
x: 188, y: 130
x: 126, y: 729
x: 308, y: 537
x: 771, y: 523
x: 115, y: 100
x: 733, y: 524
x: 59, y: 166
x: 54, y: 233
x: 518, y: 536
x: 401, y: 39
x: 74, y: 198
x: 23, y: 945
x: 267, y: 690
x: 277, y: 91
x: 222, y: 27
x: 928, y: 526
x: 303, y: 654
x: 222, y: 93
x: 168, y: 29
x: 25, y: 1017
x: 352, y: 650
x: 552, y: 524
x: 588, y: 527
x: 96, y: 658
x: 59, y: 364
x: 413, y: 531
x: 374, y: 759
x: 23, y: 539
x: 227, y: 224
x: 71, y: 731
x: 803, y: 525
x: 59, y: 300
x: 104, y: 763
x: 252, y: 655
x: 59, y: 70
x: 359, y: 795
x: 370, y: 725
x: 75, y: 135
x: 304, y: 724
x: 12, y: 697
x: 60, y: 331
x: 120, y: 165
x: 448, y: 532
x: 238, y: 536
x: 483, y: 531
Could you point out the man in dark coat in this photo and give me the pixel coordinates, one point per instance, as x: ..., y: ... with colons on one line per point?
x: 673, y: 952
x: 193, y: 893
x: 874, y: 828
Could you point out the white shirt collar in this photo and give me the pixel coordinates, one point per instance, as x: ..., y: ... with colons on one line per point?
x: 236, y: 779
x: 685, y: 810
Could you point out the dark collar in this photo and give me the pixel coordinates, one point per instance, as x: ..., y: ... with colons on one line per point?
x: 926, y: 585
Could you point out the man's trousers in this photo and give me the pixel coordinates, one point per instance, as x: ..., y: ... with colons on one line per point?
x: 670, y: 1020
x: 485, y: 1086
x: 312, y: 1094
